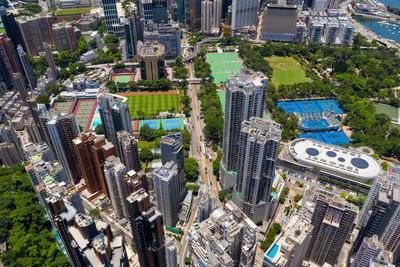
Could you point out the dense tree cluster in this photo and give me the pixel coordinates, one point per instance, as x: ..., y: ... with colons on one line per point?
x: 191, y: 169
x: 23, y: 225
x: 272, y: 232
x: 210, y: 104
x: 180, y: 71
x: 39, y: 65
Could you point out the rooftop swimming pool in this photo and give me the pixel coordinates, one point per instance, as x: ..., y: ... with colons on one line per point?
x: 96, y: 121
x: 272, y: 252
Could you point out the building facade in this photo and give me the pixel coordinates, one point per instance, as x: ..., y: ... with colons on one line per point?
x: 333, y: 221
x: 166, y: 185
x: 245, y: 98
x: 128, y: 151
x: 147, y: 229
x: 114, y: 114
x: 62, y: 129
x: 92, y: 152
x: 258, y: 151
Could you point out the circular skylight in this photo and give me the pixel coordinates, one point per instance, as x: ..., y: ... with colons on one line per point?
x: 331, y: 154
x: 312, y: 151
x: 341, y: 159
x: 359, y: 163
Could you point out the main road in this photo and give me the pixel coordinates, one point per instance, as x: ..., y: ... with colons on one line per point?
x: 198, y: 152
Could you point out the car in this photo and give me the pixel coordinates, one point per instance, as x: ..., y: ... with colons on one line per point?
x: 210, y: 182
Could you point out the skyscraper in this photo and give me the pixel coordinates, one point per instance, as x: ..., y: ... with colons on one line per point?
x: 26, y: 66
x: 10, y: 154
x: 160, y: 14
x: 381, y: 205
x: 206, y: 16
x: 50, y: 60
x: 8, y: 135
x: 113, y: 23
x: 244, y: 13
x: 152, y: 62
x: 166, y: 185
x: 170, y: 252
x: 9, y: 54
x: 257, y: 155
x: 147, y: 229
x: 66, y: 36
x: 114, y: 114
x: 245, y: 98
x: 172, y: 150
x: 217, y: 13
x: 114, y: 172
x: 11, y: 27
x: 193, y: 14
x: 128, y: 151
x: 5, y: 77
x: 91, y: 153
x: 62, y: 129
x: 332, y: 221
x: 369, y: 249
x: 167, y: 34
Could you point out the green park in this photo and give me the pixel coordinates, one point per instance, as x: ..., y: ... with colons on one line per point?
x: 286, y: 71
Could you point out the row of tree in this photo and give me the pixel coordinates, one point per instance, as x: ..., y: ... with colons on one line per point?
x: 211, y: 107
x: 141, y: 85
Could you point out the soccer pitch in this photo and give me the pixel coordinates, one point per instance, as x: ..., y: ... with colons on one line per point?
x: 286, y: 71
x: 148, y: 105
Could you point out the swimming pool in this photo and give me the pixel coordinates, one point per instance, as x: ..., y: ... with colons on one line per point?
x: 272, y: 252
x: 96, y: 121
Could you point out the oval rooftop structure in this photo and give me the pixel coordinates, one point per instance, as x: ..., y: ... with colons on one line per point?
x: 344, y: 162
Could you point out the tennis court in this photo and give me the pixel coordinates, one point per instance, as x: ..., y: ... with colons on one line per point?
x: 84, y: 112
x: 309, y: 106
x: 315, y: 124
x: 166, y: 124
x: 154, y: 124
x: 64, y: 107
x: 334, y: 138
x: 223, y: 65
x: 169, y: 124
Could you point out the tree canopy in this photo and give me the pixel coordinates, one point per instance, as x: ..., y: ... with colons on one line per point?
x: 23, y: 225
x: 191, y: 167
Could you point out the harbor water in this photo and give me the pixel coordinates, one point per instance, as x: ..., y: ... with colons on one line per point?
x: 384, y: 29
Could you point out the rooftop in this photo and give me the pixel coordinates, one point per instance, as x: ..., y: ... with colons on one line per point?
x: 346, y: 162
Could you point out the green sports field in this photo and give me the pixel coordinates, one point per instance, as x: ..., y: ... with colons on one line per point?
x: 386, y: 109
x: 286, y: 71
x: 223, y: 65
x: 72, y: 11
x: 151, y: 104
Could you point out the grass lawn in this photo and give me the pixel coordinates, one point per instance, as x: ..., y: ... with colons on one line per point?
x: 72, y: 11
x: 151, y: 104
x: 386, y: 109
x: 146, y: 144
x: 286, y: 71
x: 2, y: 30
